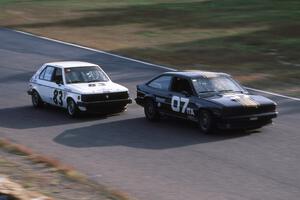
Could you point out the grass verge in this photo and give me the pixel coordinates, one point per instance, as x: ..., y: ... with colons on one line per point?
x: 256, y: 40
x: 49, y: 176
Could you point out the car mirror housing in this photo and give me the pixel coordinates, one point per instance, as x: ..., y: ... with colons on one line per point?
x: 59, y: 82
x: 186, y: 93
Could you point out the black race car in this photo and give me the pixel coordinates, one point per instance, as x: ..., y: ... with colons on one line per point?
x: 214, y: 100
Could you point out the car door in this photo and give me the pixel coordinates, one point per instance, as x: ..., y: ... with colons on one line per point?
x: 45, y: 84
x: 181, y: 98
x: 51, y: 85
x: 159, y: 88
x: 58, y: 88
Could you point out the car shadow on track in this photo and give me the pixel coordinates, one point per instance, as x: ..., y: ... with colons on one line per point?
x: 140, y: 133
x: 27, y: 117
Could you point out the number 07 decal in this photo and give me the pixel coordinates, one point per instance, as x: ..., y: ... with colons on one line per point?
x: 176, y: 101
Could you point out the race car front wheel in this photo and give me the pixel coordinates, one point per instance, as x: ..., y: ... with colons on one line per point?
x: 205, y: 121
x: 36, y: 99
x: 150, y: 110
x: 72, y: 108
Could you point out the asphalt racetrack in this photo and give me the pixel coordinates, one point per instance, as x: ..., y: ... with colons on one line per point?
x: 168, y: 160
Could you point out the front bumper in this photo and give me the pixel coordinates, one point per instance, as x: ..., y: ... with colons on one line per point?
x: 139, y: 101
x: 246, y: 121
x: 104, y: 106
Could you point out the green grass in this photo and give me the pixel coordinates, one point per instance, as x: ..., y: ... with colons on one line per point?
x: 255, y: 40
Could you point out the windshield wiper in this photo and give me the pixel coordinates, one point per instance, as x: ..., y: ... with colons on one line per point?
x: 75, y: 82
x: 224, y: 91
x: 207, y: 91
x: 92, y: 81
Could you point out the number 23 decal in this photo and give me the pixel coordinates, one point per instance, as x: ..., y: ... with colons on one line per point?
x: 176, y: 101
x: 58, y: 97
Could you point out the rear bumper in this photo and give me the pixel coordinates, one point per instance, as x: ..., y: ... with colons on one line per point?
x: 104, y: 106
x: 29, y: 92
x: 247, y: 121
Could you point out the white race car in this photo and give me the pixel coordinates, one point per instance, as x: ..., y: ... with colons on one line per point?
x: 78, y: 87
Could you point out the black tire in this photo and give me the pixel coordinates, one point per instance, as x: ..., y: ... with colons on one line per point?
x: 205, y: 120
x: 36, y: 100
x: 151, y: 111
x: 72, y: 109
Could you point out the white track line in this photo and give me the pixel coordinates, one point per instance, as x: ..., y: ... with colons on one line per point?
x: 274, y: 94
x: 95, y: 50
x: 138, y: 61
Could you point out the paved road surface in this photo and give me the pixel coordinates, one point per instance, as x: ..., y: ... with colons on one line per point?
x: 161, y: 161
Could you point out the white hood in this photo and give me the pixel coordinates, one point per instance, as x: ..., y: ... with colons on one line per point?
x: 96, y: 88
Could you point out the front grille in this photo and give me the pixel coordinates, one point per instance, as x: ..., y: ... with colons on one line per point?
x: 104, y: 96
x: 240, y: 111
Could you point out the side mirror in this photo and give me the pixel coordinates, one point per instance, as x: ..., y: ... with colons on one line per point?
x: 186, y: 93
x: 58, y: 82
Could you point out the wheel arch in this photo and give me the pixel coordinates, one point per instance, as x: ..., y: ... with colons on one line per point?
x: 212, y: 124
x: 209, y: 110
x: 68, y: 98
x: 34, y: 87
x: 149, y: 97
x: 34, y: 90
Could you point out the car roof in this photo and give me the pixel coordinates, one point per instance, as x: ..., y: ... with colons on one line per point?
x: 196, y: 74
x: 69, y: 64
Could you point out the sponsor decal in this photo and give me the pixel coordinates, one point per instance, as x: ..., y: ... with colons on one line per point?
x: 177, y: 101
x: 190, y: 111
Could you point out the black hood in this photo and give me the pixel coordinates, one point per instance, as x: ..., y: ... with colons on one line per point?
x: 240, y: 100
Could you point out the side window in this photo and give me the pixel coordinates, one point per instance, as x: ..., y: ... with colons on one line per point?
x: 181, y: 85
x: 162, y: 83
x: 47, y: 73
x: 42, y: 74
x: 57, y: 77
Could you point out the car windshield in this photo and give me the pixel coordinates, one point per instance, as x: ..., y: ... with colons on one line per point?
x: 85, y: 75
x: 217, y: 84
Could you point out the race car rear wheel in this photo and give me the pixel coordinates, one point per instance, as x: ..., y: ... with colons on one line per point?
x: 72, y: 108
x: 150, y: 110
x: 36, y: 99
x: 205, y: 121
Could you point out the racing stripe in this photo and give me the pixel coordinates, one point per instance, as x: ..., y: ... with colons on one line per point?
x: 247, y: 101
